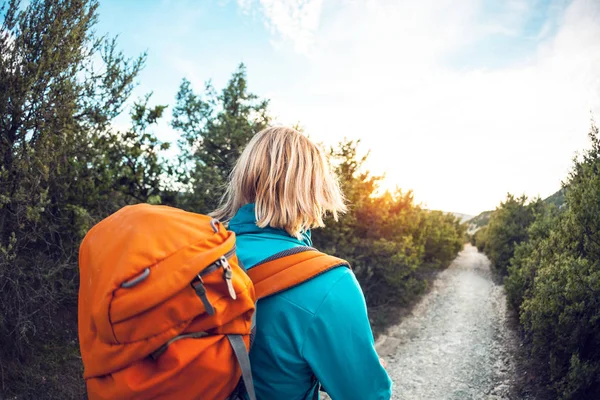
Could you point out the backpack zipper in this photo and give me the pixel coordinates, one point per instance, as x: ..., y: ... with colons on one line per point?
x: 198, y: 283
x: 228, y: 275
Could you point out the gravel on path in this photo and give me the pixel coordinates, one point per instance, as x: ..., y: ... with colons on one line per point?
x: 456, y: 343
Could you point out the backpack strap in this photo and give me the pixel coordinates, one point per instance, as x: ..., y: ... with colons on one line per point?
x: 241, y: 353
x: 290, y: 268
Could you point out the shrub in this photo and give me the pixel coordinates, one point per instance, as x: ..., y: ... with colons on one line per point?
x: 507, y: 228
x: 554, y: 277
x: 391, y: 242
x: 529, y: 254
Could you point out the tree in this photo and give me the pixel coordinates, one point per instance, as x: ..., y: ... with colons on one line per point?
x: 214, y: 131
x: 357, y: 185
x: 138, y: 171
x: 62, y: 168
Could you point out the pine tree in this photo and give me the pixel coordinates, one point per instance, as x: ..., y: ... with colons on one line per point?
x: 214, y: 128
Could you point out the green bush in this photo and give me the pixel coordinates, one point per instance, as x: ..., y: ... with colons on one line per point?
x: 444, y: 237
x: 478, y: 239
x: 562, y: 316
x: 554, y: 278
x: 391, y: 242
x: 528, y: 255
x: 507, y: 228
x: 562, y: 312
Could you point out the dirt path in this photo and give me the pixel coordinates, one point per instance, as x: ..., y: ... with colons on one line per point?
x: 456, y: 343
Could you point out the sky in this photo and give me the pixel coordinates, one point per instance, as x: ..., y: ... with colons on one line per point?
x: 459, y: 101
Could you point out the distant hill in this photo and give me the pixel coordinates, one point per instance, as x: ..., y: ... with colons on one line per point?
x: 479, y: 221
x: 558, y: 198
x: 462, y: 217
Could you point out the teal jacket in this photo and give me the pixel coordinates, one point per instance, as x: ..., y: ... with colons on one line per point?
x: 319, y: 328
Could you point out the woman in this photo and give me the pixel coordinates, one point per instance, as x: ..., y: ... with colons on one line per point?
x: 280, y: 188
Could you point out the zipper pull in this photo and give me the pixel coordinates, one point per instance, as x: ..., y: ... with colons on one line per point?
x: 228, y: 275
x: 201, y: 292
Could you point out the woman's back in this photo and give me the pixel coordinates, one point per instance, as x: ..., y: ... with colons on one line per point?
x: 317, y: 330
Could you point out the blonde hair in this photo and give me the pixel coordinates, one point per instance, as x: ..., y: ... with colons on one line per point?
x: 288, y: 178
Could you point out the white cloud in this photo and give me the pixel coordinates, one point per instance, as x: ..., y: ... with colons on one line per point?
x: 292, y: 21
x: 461, y: 137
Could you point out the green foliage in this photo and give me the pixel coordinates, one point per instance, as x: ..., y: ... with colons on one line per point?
x: 528, y: 255
x: 134, y: 156
x: 214, y: 130
x: 62, y: 168
x: 444, y: 237
x: 554, y: 281
x: 507, y: 228
x: 389, y: 240
x: 478, y: 239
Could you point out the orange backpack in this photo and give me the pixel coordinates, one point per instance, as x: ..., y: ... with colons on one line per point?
x: 166, y: 309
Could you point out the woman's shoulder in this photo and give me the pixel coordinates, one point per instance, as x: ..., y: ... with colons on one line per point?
x: 337, y: 283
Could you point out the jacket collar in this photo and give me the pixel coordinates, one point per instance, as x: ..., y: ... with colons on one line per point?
x: 244, y: 222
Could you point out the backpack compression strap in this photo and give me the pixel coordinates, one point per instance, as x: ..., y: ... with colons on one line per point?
x: 290, y: 268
